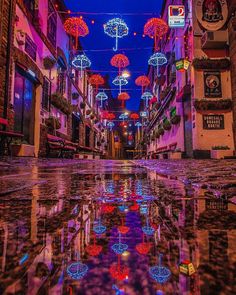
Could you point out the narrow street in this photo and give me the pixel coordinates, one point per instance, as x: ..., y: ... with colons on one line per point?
x: 55, y: 213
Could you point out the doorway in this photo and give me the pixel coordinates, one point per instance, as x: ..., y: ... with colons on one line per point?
x: 24, y: 91
x: 75, y: 127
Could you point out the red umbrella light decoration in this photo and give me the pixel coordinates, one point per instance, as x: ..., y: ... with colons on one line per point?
x: 144, y: 247
x: 123, y: 97
x: 120, y: 61
x: 142, y: 81
x: 155, y: 28
x: 111, y: 116
x: 76, y: 27
x: 96, y: 80
x: 134, y: 116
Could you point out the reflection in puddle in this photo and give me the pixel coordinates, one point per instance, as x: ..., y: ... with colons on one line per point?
x: 114, y: 228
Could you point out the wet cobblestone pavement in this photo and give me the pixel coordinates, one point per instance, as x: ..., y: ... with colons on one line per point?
x: 99, y: 227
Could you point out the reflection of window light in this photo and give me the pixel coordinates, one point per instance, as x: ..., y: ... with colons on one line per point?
x: 23, y: 259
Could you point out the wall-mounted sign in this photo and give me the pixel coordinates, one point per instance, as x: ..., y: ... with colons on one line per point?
x: 176, y: 16
x: 143, y: 114
x: 30, y: 47
x: 213, y: 122
x: 182, y: 65
x: 212, y: 84
x: 211, y: 14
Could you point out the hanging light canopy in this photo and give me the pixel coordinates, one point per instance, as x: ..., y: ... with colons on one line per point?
x: 81, y: 62
x: 134, y: 116
x: 142, y: 81
x: 146, y: 96
x: 120, y: 81
x: 124, y: 96
x: 76, y: 27
x: 120, y: 61
x: 160, y: 273
x: 116, y: 28
x: 96, y: 80
x: 101, y: 96
x: 155, y: 28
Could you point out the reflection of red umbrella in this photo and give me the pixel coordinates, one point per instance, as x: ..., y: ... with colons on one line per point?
x: 96, y: 80
x: 142, y: 81
x: 155, y: 28
x: 119, y: 272
x: 120, y: 61
x: 122, y: 229
x: 106, y: 209
x: 123, y: 97
x: 144, y: 247
x: 76, y: 27
x: 123, y: 124
x: 94, y: 249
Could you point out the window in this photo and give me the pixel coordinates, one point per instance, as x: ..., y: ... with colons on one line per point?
x: 52, y: 24
x: 46, y: 93
x: 87, y: 136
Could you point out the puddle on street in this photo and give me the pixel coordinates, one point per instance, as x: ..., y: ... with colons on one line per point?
x: 110, y: 227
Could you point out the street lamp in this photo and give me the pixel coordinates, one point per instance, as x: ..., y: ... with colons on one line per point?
x: 125, y: 74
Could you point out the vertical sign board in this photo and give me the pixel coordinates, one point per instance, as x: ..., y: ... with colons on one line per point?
x: 212, y: 85
x: 176, y: 16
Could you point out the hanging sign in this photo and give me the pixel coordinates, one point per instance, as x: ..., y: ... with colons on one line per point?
x: 211, y: 14
x: 182, y: 65
x: 176, y: 16
x: 213, y: 122
x: 212, y: 84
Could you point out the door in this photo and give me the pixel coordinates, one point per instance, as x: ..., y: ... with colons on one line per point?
x: 188, y: 140
x: 24, y: 107
x: 75, y: 128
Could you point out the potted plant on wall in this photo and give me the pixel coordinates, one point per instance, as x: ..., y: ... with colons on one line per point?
x: 175, y: 119
x: 220, y: 152
x: 61, y: 103
x: 166, y: 124
x: 52, y: 123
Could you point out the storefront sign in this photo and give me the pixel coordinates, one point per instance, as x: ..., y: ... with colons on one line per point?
x: 211, y: 14
x: 182, y: 65
x: 212, y: 84
x: 176, y: 16
x: 213, y: 122
x: 30, y: 47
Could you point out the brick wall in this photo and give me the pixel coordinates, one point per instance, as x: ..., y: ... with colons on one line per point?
x: 232, y: 52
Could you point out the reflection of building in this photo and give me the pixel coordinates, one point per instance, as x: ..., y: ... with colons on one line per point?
x: 46, y: 95
x: 193, y: 112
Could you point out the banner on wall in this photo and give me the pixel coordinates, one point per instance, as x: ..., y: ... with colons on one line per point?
x: 211, y: 14
x: 212, y: 85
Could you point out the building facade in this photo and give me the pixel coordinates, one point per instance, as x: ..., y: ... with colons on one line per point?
x: 41, y: 92
x: 192, y: 116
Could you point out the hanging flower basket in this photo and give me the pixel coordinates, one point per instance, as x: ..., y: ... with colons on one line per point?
x: 61, y: 103
x: 49, y: 62
x: 211, y: 64
x: 92, y: 117
x: 175, y: 119
x: 88, y: 112
x: 82, y: 105
x: 213, y: 105
x: 167, y: 125
x: 53, y: 123
x: 75, y: 95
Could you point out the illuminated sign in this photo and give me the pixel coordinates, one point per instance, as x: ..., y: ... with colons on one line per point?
x: 182, y: 65
x: 176, y: 16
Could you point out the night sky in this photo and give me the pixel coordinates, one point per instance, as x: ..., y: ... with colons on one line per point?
x: 137, y: 48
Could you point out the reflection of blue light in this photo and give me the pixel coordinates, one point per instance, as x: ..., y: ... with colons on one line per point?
x: 148, y: 230
x: 99, y: 229
x: 23, y: 259
x: 160, y: 273
x: 148, y: 198
x: 123, y: 208
x: 118, y: 291
x: 77, y: 270
x: 119, y: 248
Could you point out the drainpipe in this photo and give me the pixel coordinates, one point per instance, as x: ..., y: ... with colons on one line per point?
x: 8, y: 59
